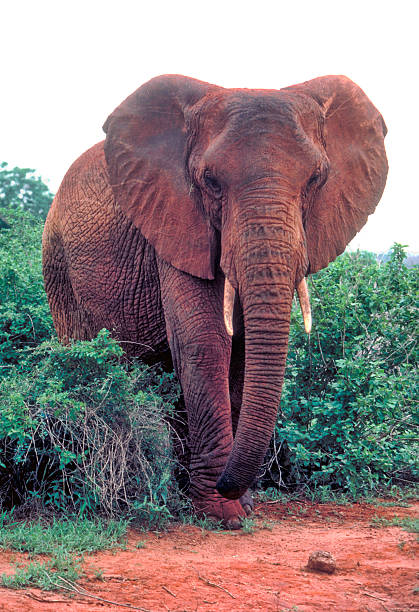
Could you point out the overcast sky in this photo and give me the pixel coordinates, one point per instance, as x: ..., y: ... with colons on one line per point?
x: 66, y: 65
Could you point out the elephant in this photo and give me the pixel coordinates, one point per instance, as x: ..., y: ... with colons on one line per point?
x: 188, y: 229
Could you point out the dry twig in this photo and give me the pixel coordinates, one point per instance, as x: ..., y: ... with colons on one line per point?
x: 74, y: 588
x: 37, y: 598
x: 168, y: 591
x: 218, y: 586
x: 373, y: 596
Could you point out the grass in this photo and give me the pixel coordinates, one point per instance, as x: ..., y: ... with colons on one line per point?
x: 392, y: 496
x: 392, y: 504
x: 204, y: 523
x: 249, y: 525
x: 320, y: 495
x: 46, y: 575
x: 74, y: 535
x: 64, y: 541
x: 409, y: 524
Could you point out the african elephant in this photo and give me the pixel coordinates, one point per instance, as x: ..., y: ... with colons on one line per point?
x: 190, y: 226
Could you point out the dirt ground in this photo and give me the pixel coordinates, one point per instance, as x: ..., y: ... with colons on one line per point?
x: 188, y: 569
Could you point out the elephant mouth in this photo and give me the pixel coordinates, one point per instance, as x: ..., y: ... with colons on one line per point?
x: 303, y: 298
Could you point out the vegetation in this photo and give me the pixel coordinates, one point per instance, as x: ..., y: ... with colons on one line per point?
x: 76, y: 535
x: 48, y: 575
x: 84, y: 431
x: 23, y: 189
x: 348, y: 419
x: 410, y: 524
x: 65, y: 542
x: 25, y: 319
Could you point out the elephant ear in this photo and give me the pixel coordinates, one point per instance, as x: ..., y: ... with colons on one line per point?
x: 354, y: 134
x: 146, y: 151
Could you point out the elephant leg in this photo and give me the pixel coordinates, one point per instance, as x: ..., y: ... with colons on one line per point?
x: 70, y: 319
x: 201, y: 350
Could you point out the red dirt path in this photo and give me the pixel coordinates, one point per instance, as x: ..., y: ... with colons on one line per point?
x: 187, y: 569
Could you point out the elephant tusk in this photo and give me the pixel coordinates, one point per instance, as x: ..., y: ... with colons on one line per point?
x: 302, y: 291
x: 229, y: 294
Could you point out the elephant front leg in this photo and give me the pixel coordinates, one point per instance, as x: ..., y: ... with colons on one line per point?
x: 201, y: 350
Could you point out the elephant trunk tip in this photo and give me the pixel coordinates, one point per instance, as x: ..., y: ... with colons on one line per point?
x: 228, y: 487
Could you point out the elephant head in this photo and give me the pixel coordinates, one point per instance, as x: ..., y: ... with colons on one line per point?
x: 269, y: 186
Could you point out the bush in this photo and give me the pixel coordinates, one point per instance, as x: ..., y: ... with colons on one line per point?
x: 82, y: 430
x: 347, y: 418
x: 25, y: 320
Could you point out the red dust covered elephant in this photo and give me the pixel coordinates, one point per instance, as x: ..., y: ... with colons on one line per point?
x: 191, y: 226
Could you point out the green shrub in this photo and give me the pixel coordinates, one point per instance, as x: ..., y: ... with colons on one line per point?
x: 348, y: 417
x: 25, y: 319
x: 83, y: 430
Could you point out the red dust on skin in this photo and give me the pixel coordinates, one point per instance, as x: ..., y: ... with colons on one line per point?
x: 188, y: 569
x: 193, y: 184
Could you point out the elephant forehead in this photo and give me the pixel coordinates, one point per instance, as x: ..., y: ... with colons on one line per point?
x: 263, y: 122
x: 264, y: 109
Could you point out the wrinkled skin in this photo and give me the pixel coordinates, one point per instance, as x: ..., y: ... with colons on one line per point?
x: 195, y: 184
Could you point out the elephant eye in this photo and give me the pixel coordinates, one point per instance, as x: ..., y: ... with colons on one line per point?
x: 319, y: 176
x: 212, y: 184
x: 315, y: 178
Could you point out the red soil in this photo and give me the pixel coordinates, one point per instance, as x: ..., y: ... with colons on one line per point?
x: 187, y: 569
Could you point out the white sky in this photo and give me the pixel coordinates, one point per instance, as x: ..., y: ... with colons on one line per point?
x: 66, y: 65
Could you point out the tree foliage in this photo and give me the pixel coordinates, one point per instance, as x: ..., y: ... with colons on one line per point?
x: 25, y: 319
x: 23, y: 188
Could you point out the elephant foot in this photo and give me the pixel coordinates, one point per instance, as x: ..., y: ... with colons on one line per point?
x: 247, y: 503
x: 217, y: 508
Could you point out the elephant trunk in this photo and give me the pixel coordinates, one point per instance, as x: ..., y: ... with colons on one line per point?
x: 266, y: 274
